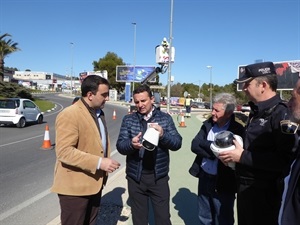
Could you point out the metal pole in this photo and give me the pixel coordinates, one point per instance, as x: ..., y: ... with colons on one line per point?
x: 210, y: 86
x: 199, y: 91
x: 72, y: 45
x: 170, y: 54
x: 134, y: 57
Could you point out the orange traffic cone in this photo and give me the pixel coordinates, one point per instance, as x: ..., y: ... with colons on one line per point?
x: 114, y: 115
x: 182, y: 123
x: 46, y: 144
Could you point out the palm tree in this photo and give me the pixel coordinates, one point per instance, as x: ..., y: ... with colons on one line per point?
x: 6, y: 47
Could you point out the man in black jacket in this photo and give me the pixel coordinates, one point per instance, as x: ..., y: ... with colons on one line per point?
x: 216, y: 185
x: 267, y: 151
x: 147, y: 170
x: 290, y: 205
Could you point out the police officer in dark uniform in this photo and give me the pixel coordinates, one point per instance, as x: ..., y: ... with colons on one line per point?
x: 267, y: 151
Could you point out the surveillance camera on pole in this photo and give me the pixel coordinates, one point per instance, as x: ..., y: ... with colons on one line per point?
x: 164, y: 54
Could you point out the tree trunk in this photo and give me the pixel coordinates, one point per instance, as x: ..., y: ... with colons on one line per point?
x: 1, y: 69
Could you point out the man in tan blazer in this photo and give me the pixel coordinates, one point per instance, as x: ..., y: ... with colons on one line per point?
x: 82, y: 151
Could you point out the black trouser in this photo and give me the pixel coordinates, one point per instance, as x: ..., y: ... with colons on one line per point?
x: 79, y: 210
x: 258, y: 203
x: 159, y: 194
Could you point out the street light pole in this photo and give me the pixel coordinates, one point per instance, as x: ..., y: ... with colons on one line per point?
x: 210, y: 85
x: 199, y: 90
x: 170, y: 54
x: 72, y: 45
x: 134, y: 57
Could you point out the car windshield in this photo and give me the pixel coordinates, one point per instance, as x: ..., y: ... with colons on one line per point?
x: 7, y: 104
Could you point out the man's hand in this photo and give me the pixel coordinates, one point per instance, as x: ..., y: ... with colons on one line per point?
x: 135, y: 142
x: 109, y: 165
x: 233, y: 155
x: 158, y: 128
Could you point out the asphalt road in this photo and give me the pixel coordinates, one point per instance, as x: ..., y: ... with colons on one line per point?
x: 26, y: 171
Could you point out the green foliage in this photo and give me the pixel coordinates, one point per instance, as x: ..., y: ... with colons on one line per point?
x: 194, y: 89
x: 7, y: 46
x: 13, y: 90
x: 177, y: 90
x: 109, y: 62
x: 44, y: 105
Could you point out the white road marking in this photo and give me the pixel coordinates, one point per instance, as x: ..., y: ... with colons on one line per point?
x: 24, y: 204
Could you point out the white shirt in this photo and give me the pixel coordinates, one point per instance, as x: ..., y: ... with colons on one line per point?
x: 103, y: 136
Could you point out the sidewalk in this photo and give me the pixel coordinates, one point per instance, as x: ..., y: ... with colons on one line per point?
x: 183, y: 187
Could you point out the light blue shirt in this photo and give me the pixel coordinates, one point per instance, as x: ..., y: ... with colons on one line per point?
x: 208, y: 165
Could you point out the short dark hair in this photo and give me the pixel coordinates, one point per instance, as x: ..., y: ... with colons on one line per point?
x: 91, y: 83
x: 143, y: 88
x: 271, y: 79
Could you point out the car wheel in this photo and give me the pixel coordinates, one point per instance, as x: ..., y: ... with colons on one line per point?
x: 40, y: 119
x: 21, y: 123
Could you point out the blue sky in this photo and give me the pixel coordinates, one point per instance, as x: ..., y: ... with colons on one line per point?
x: 220, y: 33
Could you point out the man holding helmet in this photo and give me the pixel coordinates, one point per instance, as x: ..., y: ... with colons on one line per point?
x: 267, y: 151
x: 216, y: 185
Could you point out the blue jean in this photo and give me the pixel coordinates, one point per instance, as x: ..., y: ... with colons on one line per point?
x: 214, y: 208
x: 188, y: 109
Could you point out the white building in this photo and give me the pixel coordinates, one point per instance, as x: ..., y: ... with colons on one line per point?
x: 34, y: 75
x: 44, y: 80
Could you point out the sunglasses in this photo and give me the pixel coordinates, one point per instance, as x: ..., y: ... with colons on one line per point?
x: 288, y: 127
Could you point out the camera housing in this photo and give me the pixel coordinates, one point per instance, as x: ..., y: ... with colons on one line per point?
x: 150, y: 139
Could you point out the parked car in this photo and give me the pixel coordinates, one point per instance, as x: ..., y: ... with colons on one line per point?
x: 207, y: 105
x: 238, y: 107
x: 121, y: 97
x: 19, y: 111
x: 199, y: 105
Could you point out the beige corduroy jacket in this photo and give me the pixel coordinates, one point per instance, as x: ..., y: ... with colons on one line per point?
x: 78, y: 148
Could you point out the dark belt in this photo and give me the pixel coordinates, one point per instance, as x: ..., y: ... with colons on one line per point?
x: 144, y: 171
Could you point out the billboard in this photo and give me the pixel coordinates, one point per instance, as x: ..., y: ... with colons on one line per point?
x: 134, y: 73
x: 287, y: 73
x: 102, y: 73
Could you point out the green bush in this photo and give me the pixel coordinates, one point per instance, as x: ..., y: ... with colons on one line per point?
x: 14, y: 90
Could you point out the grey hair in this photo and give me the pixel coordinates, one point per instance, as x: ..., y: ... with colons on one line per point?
x: 228, y: 100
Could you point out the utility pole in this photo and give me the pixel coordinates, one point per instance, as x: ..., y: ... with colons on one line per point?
x: 210, y: 85
x: 134, y: 57
x: 170, y: 55
x: 72, y: 45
